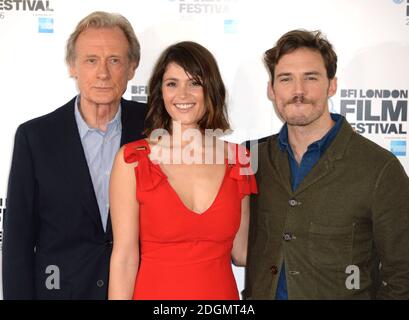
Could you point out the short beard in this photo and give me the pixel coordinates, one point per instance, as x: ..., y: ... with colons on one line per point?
x: 301, y: 121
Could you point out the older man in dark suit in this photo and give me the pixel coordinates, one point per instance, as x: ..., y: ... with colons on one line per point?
x: 57, y: 231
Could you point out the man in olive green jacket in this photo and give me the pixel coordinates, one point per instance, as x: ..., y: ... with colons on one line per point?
x: 331, y: 219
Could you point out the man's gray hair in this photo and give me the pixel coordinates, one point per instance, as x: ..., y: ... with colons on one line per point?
x: 101, y: 19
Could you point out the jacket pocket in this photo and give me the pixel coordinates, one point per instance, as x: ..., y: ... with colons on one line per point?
x: 330, y: 247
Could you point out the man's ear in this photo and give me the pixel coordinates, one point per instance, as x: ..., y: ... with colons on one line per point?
x: 270, y: 91
x: 332, y: 89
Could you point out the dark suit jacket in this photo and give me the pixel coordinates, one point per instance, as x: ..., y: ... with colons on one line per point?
x: 52, y: 216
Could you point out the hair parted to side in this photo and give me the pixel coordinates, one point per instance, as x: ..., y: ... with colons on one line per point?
x: 101, y: 19
x: 297, y: 39
x: 199, y: 64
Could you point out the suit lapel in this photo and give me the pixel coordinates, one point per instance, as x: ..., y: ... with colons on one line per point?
x: 75, y: 165
x: 131, y: 129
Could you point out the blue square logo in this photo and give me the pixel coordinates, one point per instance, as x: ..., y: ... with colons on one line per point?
x: 230, y: 26
x: 398, y: 148
x: 45, y: 25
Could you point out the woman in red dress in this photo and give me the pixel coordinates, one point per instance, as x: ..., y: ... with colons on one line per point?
x: 180, y: 198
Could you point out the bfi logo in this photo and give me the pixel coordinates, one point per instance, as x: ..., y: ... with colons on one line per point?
x: 140, y: 93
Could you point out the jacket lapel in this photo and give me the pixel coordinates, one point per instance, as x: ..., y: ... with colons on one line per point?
x: 319, y: 171
x: 75, y: 165
x: 280, y: 164
x: 131, y: 130
x: 327, y: 162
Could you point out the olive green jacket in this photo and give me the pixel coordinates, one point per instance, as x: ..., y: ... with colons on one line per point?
x: 352, y: 209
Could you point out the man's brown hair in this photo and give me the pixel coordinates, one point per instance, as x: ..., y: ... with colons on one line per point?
x: 297, y: 39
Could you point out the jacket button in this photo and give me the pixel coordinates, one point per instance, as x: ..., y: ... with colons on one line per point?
x: 293, y: 203
x: 293, y: 272
x: 287, y: 237
x: 100, y: 283
x: 108, y: 243
x: 274, y: 270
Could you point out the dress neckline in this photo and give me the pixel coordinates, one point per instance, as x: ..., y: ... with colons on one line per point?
x: 178, y: 198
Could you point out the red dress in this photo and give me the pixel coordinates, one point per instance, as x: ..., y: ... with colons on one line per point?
x: 185, y: 255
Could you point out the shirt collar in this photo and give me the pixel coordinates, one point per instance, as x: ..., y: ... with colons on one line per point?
x: 321, y: 144
x: 83, y: 127
x: 283, y: 137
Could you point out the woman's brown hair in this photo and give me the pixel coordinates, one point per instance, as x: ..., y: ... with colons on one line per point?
x: 297, y: 39
x: 199, y: 64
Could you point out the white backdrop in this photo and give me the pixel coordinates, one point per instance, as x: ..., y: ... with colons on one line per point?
x: 371, y: 39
